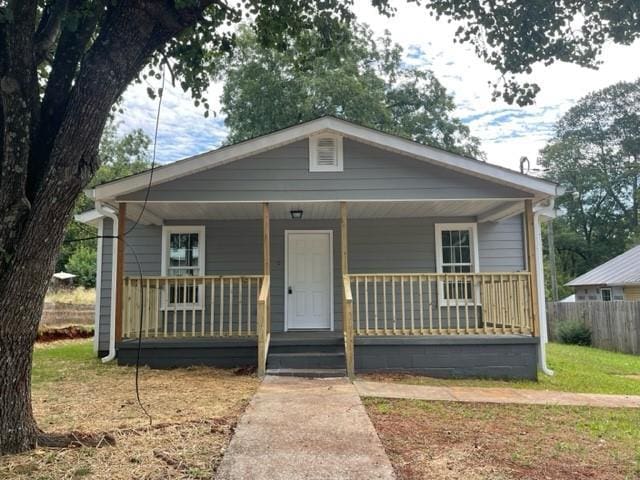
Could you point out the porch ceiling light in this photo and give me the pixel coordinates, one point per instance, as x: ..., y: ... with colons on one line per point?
x: 296, y: 214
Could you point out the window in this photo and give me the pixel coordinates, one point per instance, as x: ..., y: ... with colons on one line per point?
x: 325, y: 153
x: 456, y: 252
x: 605, y: 294
x: 183, y: 256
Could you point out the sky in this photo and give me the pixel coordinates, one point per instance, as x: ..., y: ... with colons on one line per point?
x: 507, y: 132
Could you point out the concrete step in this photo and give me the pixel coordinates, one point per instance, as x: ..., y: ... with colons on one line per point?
x: 308, y: 372
x: 306, y: 360
x: 303, y: 348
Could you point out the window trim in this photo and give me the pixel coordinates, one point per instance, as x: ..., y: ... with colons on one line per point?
x: 167, y: 230
x: 313, y: 153
x: 475, y: 259
x: 610, y: 294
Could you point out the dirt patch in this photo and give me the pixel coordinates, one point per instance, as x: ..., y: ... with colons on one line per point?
x: 461, y: 441
x: 194, y: 412
x: 71, y: 332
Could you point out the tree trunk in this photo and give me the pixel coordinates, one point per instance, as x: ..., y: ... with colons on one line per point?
x: 35, y: 209
x: 22, y: 289
x: 18, y: 430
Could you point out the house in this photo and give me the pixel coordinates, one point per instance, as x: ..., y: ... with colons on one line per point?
x: 617, y: 279
x: 323, y: 248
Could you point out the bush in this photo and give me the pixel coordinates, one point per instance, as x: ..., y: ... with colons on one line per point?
x: 574, y: 332
x: 82, y: 263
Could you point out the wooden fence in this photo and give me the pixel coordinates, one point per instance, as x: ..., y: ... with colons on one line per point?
x: 614, y: 325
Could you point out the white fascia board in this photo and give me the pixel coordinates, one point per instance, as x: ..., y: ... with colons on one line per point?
x: 198, y: 163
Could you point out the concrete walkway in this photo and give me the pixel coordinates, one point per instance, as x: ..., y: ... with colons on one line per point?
x: 494, y: 395
x: 296, y: 428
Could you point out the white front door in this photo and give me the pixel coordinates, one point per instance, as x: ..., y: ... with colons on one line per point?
x: 308, y: 266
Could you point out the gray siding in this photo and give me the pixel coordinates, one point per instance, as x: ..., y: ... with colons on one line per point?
x: 369, y: 173
x: 105, y: 287
x: 501, y: 245
x: 375, y: 246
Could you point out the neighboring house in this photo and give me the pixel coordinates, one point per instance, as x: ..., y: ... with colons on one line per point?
x: 325, y: 247
x: 617, y: 279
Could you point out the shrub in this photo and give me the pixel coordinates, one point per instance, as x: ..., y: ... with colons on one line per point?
x: 82, y: 263
x: 574, y: 332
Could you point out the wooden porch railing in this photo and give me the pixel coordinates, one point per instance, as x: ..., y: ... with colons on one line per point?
x: 347, y: 325
x: 264, y: 325
x: 441, y: 304
x: 206, y: 306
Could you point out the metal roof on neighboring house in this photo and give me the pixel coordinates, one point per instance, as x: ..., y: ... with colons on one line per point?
x: 621, y: 270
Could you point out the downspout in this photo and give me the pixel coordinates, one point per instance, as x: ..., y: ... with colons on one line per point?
x: 542, y: 304
x: 112, y: 313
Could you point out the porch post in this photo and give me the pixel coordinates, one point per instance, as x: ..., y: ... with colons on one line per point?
x: 122, y: 225
x: 531, y: 266
x: 343, y: 239
x: 266, y: 240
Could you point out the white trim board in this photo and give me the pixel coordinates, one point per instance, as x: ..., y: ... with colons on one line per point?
x: 286, y: 274
x: 394, y: 143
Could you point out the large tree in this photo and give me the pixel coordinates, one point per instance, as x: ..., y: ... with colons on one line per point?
x: 357, y: 77
x: 595, y: 155
x: 64, y: 63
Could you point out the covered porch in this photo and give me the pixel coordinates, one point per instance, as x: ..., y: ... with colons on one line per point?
x: 382, y: 291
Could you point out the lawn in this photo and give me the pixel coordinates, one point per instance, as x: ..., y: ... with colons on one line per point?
x: 479, y: 441
x: 577, y: 369
x: 194, y: 411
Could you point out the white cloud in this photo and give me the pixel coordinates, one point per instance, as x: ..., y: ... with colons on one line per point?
x: 507, y: 132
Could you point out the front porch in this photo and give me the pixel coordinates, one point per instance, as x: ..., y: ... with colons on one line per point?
x: 460, y: 323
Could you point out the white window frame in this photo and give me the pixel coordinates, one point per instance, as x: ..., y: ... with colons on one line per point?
x: 167, y: 230
x: 475, y: 260
x: 610, y: 294
x: 313, y: 153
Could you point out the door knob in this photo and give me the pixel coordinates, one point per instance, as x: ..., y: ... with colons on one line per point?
x: 290, y: 290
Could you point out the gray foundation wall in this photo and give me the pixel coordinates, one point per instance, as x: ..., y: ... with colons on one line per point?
x: 193, y: 352
x: 450, y: 357
x: 511, y: 357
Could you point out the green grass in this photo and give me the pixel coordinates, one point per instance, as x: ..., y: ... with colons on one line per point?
x: 58, y: 361
x: 577, y: 369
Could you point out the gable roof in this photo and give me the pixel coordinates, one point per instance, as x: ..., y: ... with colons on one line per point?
x: 621, y: 270
x: 538, y: 187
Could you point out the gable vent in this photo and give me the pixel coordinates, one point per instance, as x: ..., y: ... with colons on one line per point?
x: 325, y: 153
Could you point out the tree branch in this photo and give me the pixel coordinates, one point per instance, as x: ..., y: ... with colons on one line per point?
x: 48, y: 28
x: 71, y: 47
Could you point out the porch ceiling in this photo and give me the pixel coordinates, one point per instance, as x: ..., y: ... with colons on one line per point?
x: 486, y: 209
